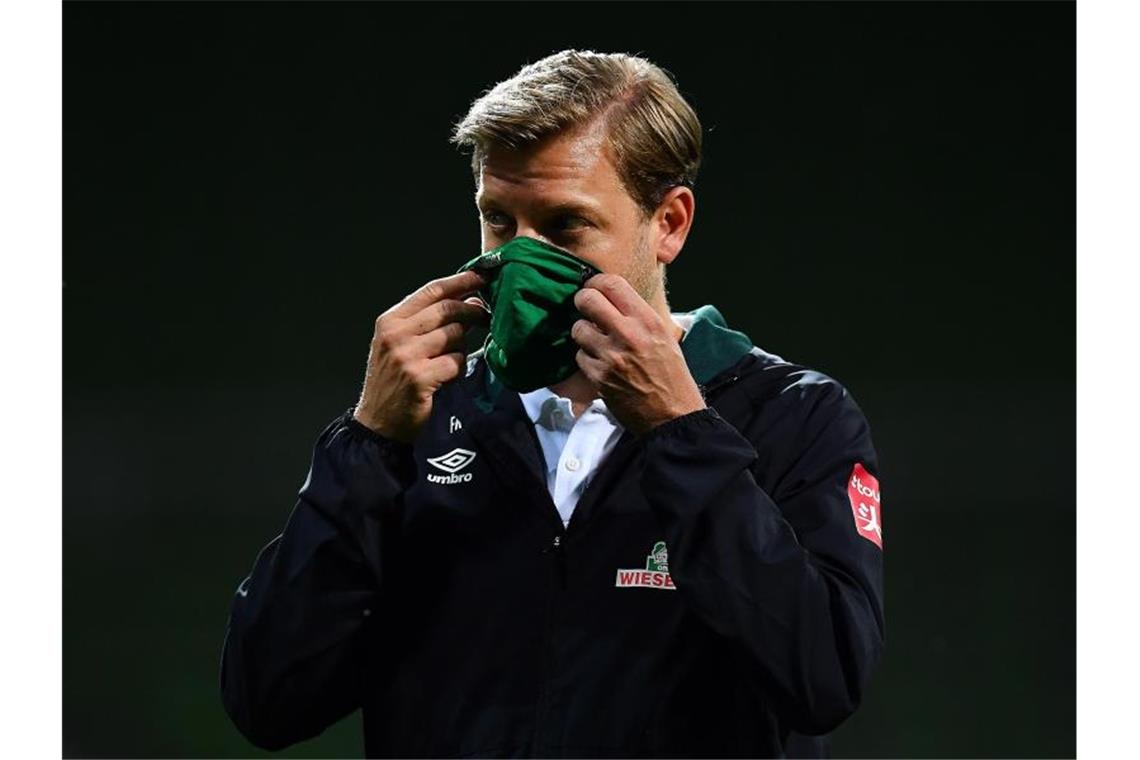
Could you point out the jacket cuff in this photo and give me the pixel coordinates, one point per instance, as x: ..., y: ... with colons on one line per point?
x: 692, y: 423
x: 398, y: 455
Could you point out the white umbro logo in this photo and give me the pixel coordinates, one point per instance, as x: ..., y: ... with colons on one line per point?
x: 451, y: 463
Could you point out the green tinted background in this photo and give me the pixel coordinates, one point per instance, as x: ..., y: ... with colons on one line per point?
x: 888, y: 196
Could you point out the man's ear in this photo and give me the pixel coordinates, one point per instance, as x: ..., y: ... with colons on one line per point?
x: 671, y: 223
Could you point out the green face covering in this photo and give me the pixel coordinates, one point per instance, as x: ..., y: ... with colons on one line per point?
x: 530, y: 292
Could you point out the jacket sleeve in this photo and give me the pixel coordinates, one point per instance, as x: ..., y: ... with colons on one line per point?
x: 293, y: 655
x: 788, y: 575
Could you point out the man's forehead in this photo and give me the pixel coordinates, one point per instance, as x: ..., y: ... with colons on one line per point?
x: 548, y: 182
x: 547, y: 190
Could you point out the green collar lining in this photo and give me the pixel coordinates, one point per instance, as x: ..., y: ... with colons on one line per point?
x: 710, y: 346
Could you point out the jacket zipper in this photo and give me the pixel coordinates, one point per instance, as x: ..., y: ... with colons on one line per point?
x: 559, y: 560
x: 557, y: 551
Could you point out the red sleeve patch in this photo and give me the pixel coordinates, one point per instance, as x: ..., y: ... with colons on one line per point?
x: 866, y: 504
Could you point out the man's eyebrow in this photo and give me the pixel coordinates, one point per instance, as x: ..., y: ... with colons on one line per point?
x: 559, y: 207
x: 573, y: 208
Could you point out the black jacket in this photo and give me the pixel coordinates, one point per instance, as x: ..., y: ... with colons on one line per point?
x: 717, y: 589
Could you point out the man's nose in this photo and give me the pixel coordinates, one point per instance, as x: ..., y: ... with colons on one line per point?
x: 531, y: 232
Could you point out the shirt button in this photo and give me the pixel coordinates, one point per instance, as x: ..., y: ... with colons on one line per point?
x: 573, y: 463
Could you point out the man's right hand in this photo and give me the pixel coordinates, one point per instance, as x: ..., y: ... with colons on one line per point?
x: 417, y: 346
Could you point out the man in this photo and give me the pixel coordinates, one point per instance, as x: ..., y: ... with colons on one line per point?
x: 614, y: 530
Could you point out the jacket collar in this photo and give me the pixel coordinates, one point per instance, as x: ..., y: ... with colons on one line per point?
x: 709, y: 346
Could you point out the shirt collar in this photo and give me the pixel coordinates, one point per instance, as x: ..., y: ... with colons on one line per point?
x: 551, y: 411
x: 540, y: 405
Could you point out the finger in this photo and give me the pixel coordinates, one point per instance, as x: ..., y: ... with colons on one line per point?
x: 596, y: 307
x: 588, y: 337
x: 446, y: 368
x: 452, y: 286
x: 443, y: 312
x: 442, y: 340
x: 476, y: 300
x: 621, y: 294
x: 592, y: 368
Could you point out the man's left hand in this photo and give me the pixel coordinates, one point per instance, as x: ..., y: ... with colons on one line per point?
x: 631, y: 356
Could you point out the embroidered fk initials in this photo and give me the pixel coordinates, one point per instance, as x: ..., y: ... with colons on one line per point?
x: 455, y: 424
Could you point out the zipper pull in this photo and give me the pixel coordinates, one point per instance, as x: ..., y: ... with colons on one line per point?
x: 707, y: 389
x: 556, y: 549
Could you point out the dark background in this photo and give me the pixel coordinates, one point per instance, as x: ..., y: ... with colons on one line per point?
x: 888, y: 196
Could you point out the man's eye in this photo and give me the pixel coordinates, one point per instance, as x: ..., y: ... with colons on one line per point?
x: 564, y: 223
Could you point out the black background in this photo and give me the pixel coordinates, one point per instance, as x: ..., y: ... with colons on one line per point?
x: 888, y: 196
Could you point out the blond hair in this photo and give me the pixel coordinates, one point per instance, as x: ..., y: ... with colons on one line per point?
x: 654, y: 134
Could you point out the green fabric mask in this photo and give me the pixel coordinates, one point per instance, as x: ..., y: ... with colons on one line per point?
x: 530, y: 292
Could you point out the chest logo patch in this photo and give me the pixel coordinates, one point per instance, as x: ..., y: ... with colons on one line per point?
x: 451, y: 463
x: 655, y: 574
x: 866, y: 504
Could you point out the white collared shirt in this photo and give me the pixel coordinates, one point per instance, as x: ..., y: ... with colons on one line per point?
x: 574, y: 448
